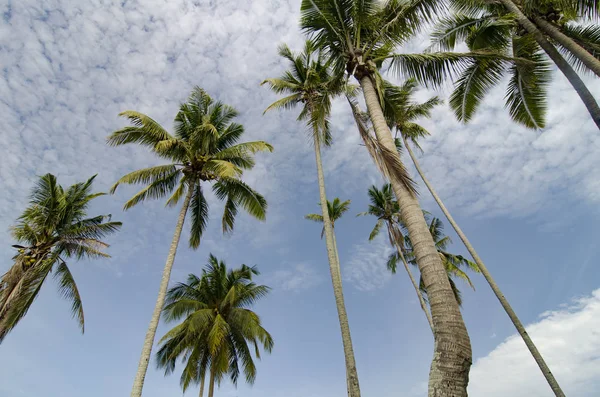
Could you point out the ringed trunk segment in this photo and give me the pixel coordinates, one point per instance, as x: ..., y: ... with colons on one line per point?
x: 449, y: 374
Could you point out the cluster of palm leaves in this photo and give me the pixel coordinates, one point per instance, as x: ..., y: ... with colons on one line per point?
x: 348, y: 41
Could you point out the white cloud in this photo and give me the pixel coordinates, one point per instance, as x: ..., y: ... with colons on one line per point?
x: 297, y: 278
x: 365, y: 269
x: 568, y: 338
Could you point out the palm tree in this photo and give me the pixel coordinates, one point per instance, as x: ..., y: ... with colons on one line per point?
x: 335, y: 209
x: 453, y: 263
x: 386, y: 210
x: 53, y: 228
x: 401, y: 112
x: 500, y: 26
x: 309, y: 84
x: 358, y: 36
x: 204, y: 150
x: 217, y: 326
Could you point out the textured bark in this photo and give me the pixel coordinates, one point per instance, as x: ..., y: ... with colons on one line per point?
x: 488, y: 277
x: 449, y: 374
x: 138, y: 384
x: 211, y: 384
x: 202, y: 378
x: 581, y: 53
x: 412, y: 279
x: 586, y: 96
x: 351, y: 372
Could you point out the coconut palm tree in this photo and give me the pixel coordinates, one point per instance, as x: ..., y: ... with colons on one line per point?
x: 203, y: 151
x: 217, y: 328
x: 54, y: 228
x: 401, y: 112
x: 504, y: 27
x: 453, y: 263
x: 385, y: 208
x: 309, y: 84
x: 358, y: 36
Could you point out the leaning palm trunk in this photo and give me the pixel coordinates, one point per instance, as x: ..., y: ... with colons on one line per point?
x: 396, y: 238
x: 449, y: 373
x: 509, y: 310
x: 211, y: 383
x: 202, y: 378
x: 351, y: 372
x: 586, y: 96
x: 138, y: 384
x: 581, y: 53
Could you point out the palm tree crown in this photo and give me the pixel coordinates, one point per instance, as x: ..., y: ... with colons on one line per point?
x: 217, y: 325
x: 203, y: 149
x: 53, y: 228
x: 309, y: 83
x: 336, y: 209
x: 452, y: 262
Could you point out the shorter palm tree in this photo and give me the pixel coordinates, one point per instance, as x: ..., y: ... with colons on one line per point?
x: 387, y: 211
x: 335, y: 209
x: 217, y: 326
x: 53, y: 228
x: 452, y: 262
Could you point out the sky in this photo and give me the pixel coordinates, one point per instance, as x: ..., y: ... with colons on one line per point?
x: 528, y: 200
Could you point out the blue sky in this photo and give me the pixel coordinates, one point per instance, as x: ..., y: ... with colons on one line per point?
x: 528, y: 200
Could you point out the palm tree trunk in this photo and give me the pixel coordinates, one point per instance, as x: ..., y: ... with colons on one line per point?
x: 211, y: 383
x: 488, y: 277
x: 202, y: 378
x: 449, y: 373
x: 414, y: 283
x: 581, y: 53
x: 351, y: 372
x: 586, y: 96
x: 138, y: 384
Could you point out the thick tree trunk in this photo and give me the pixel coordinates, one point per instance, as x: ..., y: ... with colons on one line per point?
x: 202, y: 378
x: 509, y: 310
x: 581, y: 53
x: 138, y: 384
x: 449, y: 374
x: 412, y: 280
x: 586, y: 96
x: 211, y: 384
x: 351, y: 372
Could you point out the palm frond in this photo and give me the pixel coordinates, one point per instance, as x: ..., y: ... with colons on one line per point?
x: 199, y: 212
x: 68, y: 290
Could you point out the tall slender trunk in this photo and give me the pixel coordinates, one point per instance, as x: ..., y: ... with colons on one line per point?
x: 339, y: 271
x: 488, y: 277
x: 351, y: 372
x: 211, y: 383
x: 412, y: 280
x: 449, y: 374
x: 202, y: 379
x: 581, y: 53
x: 138, y: 384
x: 586, y: 96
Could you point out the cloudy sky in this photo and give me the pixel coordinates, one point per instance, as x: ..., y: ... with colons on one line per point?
x: 529, y: 200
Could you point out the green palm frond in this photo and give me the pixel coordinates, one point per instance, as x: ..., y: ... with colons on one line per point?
x: 475, y: 81
x: 199, y: 211
x: 587, y: 36
x: 155, y: 190
x: 526, y: 93
x: 314, y: 217
x: 376, y: 230
x: 68, y: 290
x: 145, y: 176
x: 144, y: 131
x: 242, y: 195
